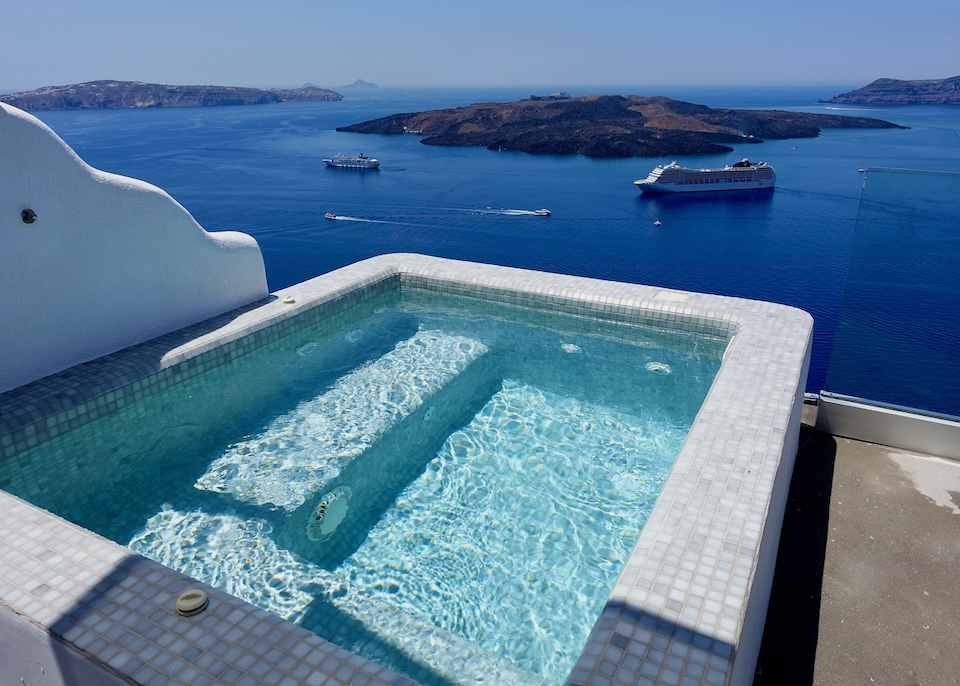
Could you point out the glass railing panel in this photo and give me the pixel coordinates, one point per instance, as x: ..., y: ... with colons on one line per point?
x: 898, y: 333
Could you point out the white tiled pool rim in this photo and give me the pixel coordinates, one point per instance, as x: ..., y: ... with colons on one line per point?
x: 687, y: 608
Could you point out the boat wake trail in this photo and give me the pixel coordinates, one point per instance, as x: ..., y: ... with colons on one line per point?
x: 514, y: 212
x: 343, y: 218
x: 498, y: 211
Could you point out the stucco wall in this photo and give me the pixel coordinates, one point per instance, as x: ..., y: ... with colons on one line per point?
x: 109, y: 262
x: 30, y: 655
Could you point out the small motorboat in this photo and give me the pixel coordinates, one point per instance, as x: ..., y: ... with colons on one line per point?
x: 658, y: 223
x: 330, y: 215
x: 543, y: 212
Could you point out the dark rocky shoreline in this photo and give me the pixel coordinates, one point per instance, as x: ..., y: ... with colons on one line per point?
x: 607, y: 126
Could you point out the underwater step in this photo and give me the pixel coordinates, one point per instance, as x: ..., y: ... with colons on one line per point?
x: 303, y: 449
x: 232, y: 553
x: 330, y: 526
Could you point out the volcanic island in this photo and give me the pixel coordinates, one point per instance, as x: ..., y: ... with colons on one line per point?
x: 607, y: 126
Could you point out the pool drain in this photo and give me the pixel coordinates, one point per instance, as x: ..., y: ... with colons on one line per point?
x: 328, y: 514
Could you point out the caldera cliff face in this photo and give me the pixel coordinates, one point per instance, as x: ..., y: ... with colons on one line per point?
x: 899, y: 92
x: 136, y: 94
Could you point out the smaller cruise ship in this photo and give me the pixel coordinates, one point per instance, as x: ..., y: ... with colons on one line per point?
x: 361, y: 161
x: 743, y: 175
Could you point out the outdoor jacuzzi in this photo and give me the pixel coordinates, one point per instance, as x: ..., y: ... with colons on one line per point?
x: 688, y: 596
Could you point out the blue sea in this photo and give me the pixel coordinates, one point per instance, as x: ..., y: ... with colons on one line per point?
x: 259, y: 169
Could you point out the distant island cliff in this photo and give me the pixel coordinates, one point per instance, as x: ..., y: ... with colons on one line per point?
x: 607, y: 126
x: 133, y: 94
x: 897, y: 92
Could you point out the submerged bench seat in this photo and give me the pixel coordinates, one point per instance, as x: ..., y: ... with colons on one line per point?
x: 300, y: 451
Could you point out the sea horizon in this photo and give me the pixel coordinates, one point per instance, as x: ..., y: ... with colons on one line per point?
x: 582, y: 87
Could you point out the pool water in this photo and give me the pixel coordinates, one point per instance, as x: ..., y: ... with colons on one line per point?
x: 448, y: 488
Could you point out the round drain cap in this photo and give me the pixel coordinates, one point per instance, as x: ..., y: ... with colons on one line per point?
x: 191, y: 602
x: 328, y: 514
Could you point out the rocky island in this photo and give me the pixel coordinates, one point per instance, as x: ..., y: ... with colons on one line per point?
x: 132, y: 94
x: 607, y: 126
x: 359, y: 83
x: 897, y: 92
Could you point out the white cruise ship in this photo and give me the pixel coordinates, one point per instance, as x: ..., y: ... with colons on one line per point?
x: 743, y: 175
x: 359, y: 162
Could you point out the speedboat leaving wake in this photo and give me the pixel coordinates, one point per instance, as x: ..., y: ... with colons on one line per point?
x: 511, y: 212
x: 342, y: 217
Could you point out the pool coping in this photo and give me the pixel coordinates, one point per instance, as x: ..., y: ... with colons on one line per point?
x: 688, y: 607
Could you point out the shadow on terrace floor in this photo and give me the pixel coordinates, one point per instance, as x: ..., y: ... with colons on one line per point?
x: 865, y: 588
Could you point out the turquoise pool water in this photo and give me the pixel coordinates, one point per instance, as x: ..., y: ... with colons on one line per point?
x: 447, y: 488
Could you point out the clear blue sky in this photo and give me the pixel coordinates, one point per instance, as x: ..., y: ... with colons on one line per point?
x: 558, y: 44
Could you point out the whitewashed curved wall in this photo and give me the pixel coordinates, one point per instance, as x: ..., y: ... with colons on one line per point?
x: 109, y: 262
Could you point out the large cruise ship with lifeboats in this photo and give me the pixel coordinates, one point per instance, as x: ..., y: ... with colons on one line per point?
x: 359, y: 162
x: 743, y: 175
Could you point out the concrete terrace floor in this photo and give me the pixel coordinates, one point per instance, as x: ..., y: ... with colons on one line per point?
x: 867, y: 583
